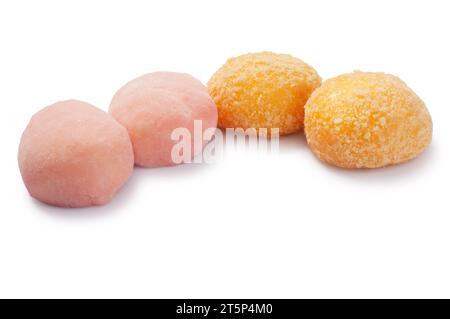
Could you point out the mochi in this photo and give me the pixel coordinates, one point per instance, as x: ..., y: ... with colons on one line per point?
x: 366, y: 120
x: 152, y: 106
x: 264, y: 91
x: 73, y: 154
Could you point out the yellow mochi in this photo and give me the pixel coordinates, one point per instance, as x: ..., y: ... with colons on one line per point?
x: 367, y: 120
x: 263, y: 90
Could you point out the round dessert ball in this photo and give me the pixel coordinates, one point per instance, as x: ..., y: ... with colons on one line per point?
x: 152, y: 106
x: 73, y: 154
x: 366, y: 120
x: 263, y: 90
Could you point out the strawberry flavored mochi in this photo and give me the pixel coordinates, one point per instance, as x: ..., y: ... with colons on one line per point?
x: 152, y: 106
x: 73, y: 154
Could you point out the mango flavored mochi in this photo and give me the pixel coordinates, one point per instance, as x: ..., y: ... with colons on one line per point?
x: 263, y: 90
x: 367, y: 120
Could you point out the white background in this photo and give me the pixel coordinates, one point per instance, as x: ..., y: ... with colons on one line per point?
x: 251, y: 225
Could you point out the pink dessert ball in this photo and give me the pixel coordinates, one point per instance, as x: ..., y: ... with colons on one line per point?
x: 73, y: 154
x: 155, y: 104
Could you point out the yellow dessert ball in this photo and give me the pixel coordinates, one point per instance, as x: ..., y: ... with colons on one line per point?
x: 367, y: 120
x: 263, y: 90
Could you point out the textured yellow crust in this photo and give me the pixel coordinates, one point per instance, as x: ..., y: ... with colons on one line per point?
x: 366, y: 120
x: 263, y: 90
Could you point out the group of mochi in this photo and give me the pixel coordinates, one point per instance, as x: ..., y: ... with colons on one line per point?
x: 73, y: 154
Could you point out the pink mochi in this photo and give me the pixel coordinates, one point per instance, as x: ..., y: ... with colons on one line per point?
x: 73, y: 154
x: 155, y: 104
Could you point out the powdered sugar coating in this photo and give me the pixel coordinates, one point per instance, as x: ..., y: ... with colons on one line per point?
x: 365, y: 119
x: 73, y: 154
x: 263, y: 90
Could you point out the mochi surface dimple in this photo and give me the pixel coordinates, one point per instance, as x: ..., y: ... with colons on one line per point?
x: 73, y: 154
x: 152, y: 106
